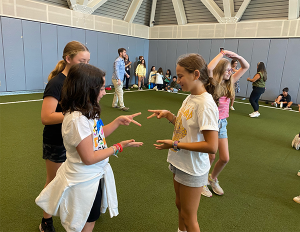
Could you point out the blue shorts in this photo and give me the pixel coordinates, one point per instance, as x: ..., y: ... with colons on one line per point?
x: 222, y: 123
x: 187, y: 179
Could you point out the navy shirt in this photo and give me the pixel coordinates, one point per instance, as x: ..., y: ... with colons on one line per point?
x: 52, y: 133
x: 285, y: 99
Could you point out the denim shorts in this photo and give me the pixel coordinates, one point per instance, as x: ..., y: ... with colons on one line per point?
x: 222, y: 123
x: 54, y: 153
x: 187, y: 179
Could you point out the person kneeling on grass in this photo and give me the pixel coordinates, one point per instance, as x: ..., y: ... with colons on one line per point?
x: 174, y: 86
x: 284, y: 99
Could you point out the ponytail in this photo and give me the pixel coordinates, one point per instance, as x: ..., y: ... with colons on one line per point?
x: 60, y: 66
x: 71, y: 49
x: 210, y: 87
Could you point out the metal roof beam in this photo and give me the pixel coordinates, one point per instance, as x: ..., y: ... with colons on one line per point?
x: 228, y: 6
x: 214, y: 9
x: 294, y: 9
x: 132, y: 11
x: 242, y: 9
x: 179, y: 11
x: 153, y: 8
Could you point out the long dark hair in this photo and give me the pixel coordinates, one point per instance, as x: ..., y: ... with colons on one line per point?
x: 143, y: 63
x: 81, y: 90
x: 160, y: 71
x: 169, y: 72
x: 191, y: 63
x: 262, y: 69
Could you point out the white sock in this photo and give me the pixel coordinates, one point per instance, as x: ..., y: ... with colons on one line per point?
x: 181, y: 230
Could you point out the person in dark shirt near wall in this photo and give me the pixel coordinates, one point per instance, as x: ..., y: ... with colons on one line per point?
x: 284, y: 100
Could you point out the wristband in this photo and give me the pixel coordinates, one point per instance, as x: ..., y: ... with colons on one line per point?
x: 223, y: 53
x: 115, y: 152
x: 120, y: 146
x: 175, y: 146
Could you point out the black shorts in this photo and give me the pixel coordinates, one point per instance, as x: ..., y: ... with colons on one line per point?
x: 54, y: 153
x: 95, y: 211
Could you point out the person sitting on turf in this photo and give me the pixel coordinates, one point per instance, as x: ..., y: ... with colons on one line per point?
x: 174, y: 86
x: 284, y: 99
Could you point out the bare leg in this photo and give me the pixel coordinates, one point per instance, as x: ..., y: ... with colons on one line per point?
x: 223, y: 158
x: 289, y: 104
x: 51, y: 168
x: 232, y: 101
x: 88, y: 227
x: 187, y: 202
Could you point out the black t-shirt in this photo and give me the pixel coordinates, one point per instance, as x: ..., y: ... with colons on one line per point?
x: 285, y: 99
x: 52, y: 133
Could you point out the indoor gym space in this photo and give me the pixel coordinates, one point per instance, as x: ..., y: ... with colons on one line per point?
x: 260, y: 179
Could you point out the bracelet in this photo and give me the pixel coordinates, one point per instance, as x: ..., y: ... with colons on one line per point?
x: 223, y: 53
x: 115, y: 153
x: 174, y: 117
x: 120, y: 146
x: 175, y: 146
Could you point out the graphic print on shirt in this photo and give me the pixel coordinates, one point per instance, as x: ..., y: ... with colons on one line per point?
x: 179, y: 131
x: 98, y: 135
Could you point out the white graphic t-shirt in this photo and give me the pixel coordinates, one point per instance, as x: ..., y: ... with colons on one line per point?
x: 197, y: 113
x: 77, y: 127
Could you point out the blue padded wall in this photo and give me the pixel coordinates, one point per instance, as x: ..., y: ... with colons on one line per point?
x: 13, y: 54
x: 2, y: 69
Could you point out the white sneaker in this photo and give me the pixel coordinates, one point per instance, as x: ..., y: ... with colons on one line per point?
x: 274, y: 104
x: 287, y: 108
x: 206, y: 192
x: 231, y: 107
x: 298, y: 174
x: 252, y: 113
x: 214, y: 183
x: 255, y: 115
x: 297, y: 199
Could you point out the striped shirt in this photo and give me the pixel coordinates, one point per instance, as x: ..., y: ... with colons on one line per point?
x: 224, y: 107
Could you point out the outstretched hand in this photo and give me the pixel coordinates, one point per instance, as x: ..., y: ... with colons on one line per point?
x: 127, y: 119
x: 131, y: 143
x: 158, y: 113
x: 165, y: 144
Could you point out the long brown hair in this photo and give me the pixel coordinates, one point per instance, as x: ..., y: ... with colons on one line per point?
x: 192, y: 62
x: 262, y: 69
x: 71, y: 49
x: 223, y: 87
x: 81, y: 90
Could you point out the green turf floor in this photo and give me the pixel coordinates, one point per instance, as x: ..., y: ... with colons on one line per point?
x: 259, y: 181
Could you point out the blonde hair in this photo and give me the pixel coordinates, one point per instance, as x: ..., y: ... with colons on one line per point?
x: 223, y: 87
x: 71, y: 49
x: 192, y: 62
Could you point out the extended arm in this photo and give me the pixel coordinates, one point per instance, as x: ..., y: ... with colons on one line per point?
x: 210, y: 145
x: 89, y: 156
x: 48, y: 114
x: 255, y: 78
x: 122, y: 120
x: 163, y: 114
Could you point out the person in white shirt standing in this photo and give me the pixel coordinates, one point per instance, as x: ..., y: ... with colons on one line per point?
x: 195, y: 135
x: 84, y: 185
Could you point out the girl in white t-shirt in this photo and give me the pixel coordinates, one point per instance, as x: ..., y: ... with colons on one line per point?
x: 84, y: 183
x: 195, y: 135
x: 159, y: 79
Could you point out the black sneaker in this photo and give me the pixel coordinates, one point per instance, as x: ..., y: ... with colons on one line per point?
x: 47, y: 226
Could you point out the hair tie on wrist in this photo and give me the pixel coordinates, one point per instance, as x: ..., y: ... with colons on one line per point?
x: 115, y: 152
x: 223, y: 53
x: 175, y: 146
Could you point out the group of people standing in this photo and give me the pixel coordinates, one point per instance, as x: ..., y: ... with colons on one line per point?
x: 80, y: 183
